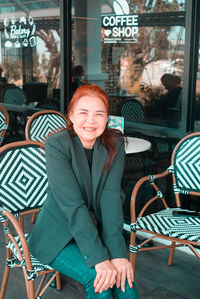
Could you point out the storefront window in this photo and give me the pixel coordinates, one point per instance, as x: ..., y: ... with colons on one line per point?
x: 196, y: 113
x: 126, y: 47
x: 144, y: 58
x: 30, y: 47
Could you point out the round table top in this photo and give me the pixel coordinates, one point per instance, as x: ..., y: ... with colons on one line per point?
x: 136, y: 145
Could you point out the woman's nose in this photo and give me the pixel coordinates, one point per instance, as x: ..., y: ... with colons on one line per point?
x: 91, y: 118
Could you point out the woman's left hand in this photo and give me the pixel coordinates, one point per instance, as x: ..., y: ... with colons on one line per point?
x: 124, y: 271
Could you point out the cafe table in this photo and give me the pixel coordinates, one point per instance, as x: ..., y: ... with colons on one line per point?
x: 136, y: 145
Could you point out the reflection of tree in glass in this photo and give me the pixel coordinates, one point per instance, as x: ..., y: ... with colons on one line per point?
x: 53, y: 74
x: 13, y: 71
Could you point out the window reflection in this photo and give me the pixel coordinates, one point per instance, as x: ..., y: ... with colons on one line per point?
x: 30, y: 47
x: 135, y: 69
x: 196, y: 113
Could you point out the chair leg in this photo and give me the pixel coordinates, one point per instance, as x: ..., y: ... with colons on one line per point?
x: 30, y: 286
x: 171, y: 254
x: 132, y: 256
x: 4, y: 281
x: 58, y: 281
x: 33, y: 218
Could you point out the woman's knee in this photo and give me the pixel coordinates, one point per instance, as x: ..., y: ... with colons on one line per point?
x: 90, y: 294
x: 130, y: 293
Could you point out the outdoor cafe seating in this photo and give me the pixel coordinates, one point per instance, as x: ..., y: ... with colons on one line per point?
x: 14, y: 95
x: 44, y: 122
x: 23, y: 188
x: 4, y: 123
x: 177, y: 225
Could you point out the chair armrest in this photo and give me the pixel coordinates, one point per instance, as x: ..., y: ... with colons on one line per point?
x: 151, y: 179
x: 15, y: 223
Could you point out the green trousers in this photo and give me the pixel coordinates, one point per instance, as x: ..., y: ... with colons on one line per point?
x: 70, y: 262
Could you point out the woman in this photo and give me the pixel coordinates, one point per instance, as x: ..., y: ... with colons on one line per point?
x: 81, y: 220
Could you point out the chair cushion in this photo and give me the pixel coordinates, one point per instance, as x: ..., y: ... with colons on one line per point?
x: 37, y: 266
x: 164, y: 222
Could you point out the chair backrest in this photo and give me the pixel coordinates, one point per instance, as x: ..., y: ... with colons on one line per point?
x: 116, y: 122
x: 132, y: 109
x: 42, y: 123
x: 14, y: 95
x: 4, y: 122
x: 23, y: 178
x: 186, y: 165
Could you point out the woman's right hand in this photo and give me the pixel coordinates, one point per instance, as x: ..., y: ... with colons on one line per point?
x: 106, y: 276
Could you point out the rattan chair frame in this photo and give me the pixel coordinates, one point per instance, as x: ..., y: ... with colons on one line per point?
x: 30, y: 285
x: 14, y: 223
x: 33, y: 117
x: 175, y: 242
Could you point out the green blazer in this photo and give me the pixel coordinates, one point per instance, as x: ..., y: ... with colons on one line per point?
x: 72, y: 191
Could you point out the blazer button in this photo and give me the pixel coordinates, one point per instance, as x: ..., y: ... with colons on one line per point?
x: 85, y: 257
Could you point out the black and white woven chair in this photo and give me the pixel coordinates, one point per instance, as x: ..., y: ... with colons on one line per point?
x: 43, y: 123
x: 177, y: 225
x: 15, y: 96
x: 4, y: 122
x: 131, y: 110
x: 23, y: 189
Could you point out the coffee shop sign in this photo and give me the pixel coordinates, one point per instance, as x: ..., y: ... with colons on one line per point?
x: 20, y: 32
x: 121, y: 27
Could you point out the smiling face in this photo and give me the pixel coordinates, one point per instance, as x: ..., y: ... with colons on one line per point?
x: 89, y: 118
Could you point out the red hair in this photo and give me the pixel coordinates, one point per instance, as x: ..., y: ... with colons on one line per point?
x: 109, y: 136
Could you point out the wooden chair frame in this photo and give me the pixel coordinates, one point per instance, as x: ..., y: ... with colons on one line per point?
x: 30, y: 287
x: 37, y: 114
x: 14, y: 222
x: 175, y: 242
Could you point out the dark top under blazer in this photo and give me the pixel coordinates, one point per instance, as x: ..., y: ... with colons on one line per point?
x: 72, y: 191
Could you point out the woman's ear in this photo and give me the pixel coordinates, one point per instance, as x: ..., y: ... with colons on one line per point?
x: 71, y: 117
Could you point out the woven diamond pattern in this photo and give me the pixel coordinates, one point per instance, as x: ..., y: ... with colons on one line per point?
x: 44, y: 124
x: 23, y: 178
x: 37, y: 266
x: 187, y: 165
x: 14, y: 95
x: 2, y: 121
x: 132, y: 109
x: 164, y: 222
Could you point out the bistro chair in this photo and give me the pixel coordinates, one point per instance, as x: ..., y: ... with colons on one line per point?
x: 4, y: 122
x: 178, y: 225
x: 131, y: 110
x: 23, y: 189
x: 42, y: 123
x: 15, y: 96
